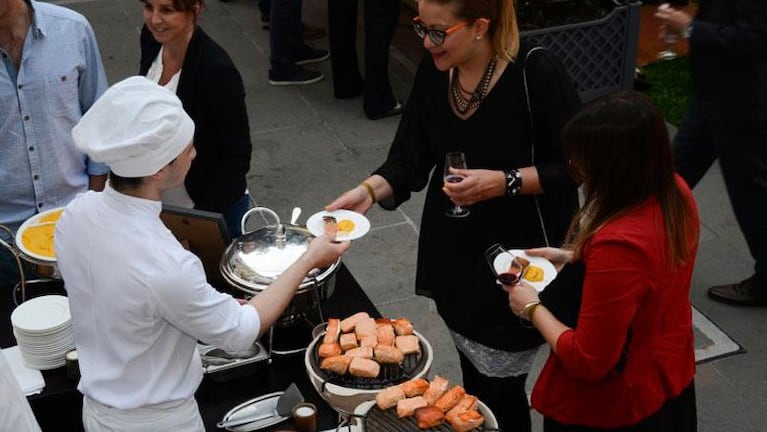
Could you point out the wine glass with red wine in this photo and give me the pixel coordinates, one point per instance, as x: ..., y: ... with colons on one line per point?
x: 455, y: 160
x: 510, y: 273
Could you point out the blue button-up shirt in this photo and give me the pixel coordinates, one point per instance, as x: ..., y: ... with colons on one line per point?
x: 59, y: 78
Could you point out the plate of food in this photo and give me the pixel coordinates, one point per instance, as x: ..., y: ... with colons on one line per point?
x: 536, y: 271
x: 350, y: 225
x: 34, y: 237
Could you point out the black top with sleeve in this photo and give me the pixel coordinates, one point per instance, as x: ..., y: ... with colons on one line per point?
x: 451, y: 265
x: 728, y: 55
x: 211, y: 89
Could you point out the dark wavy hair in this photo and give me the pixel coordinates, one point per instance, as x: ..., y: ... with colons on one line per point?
x: 619, y: 148
x: 184, y: 5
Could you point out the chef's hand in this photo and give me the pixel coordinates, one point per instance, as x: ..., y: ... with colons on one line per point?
x: 324, y: 250
x: 673, y: 19
x: 558, y: 256
x: 521, y: 294
x: 477, y: 185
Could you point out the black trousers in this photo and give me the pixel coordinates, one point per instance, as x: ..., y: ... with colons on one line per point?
x: 676, y: 415
x: 505, y: 397
x: 380, y: 22
x: 708, y: 133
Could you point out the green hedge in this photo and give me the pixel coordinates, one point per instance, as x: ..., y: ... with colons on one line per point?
x: 669, y: 82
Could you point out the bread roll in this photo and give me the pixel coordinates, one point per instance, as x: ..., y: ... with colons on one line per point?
x: 437, y: 387
x: 466, y: 421
x: 329, y: 350
x: 333, y: 331
x: 361, y: 352
x: 361, y: 367
x: 385, y: 334
x: 450, y: 399
x: 403, y: 327
x: 348, y: 324
x: 406, y: 407
x: 428, y: 417
x: 408, y: 344
x: 467, y: 403
x: 348, y: 341
x: 388, y: 354
x: 414, y: 387
x: 368, y: 341
x: 337, y: 364
x: 388, y: 397
x: 365, y: 327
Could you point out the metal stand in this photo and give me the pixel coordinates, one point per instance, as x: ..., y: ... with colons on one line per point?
x: 302, y: 318
x: 21, y: 286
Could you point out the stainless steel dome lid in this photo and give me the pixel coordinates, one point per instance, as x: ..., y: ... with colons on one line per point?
x: 257, y: 258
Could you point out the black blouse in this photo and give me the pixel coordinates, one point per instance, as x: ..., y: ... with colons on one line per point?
x: 211, y: 90
x: 451, y: 264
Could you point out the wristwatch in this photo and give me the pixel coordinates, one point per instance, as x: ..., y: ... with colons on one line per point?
x: 513, y: 182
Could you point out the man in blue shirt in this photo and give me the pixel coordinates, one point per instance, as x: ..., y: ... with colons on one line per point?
x: 51, y: 73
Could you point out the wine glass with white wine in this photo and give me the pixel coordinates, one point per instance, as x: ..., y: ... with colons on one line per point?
x: 455, y: 160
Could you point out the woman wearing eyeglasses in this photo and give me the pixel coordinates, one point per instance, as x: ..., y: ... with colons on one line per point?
x: 469, y: 95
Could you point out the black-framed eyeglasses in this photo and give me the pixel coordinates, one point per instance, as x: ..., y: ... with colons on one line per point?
x: 436, y: 36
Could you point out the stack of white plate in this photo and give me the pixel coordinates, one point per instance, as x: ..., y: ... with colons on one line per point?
x: 43, y: 330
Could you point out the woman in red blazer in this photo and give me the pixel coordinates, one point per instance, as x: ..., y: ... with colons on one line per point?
x: 628, y: 364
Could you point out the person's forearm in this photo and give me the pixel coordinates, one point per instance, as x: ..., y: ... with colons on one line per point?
x: 273, y: 301
x: 548, y: 325
x: 381, y: 188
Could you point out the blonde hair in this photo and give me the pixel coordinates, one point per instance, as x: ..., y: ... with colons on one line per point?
x: 503, y: 21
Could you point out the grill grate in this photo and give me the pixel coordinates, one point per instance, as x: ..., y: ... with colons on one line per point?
x: 391, y: 374
x: 378, y: 420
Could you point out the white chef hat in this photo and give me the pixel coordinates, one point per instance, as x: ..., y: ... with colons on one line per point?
x: 136, y: 127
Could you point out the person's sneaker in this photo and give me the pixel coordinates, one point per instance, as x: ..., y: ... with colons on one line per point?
x: 743, y: 293
x: 299, y: 77
x: 307, y: 55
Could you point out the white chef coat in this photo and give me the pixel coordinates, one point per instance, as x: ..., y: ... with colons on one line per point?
x: 15, y: 413
x: 140, y: 302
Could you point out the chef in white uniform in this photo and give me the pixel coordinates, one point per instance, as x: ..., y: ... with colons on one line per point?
x: 139, y: 300
x: 15, y: 413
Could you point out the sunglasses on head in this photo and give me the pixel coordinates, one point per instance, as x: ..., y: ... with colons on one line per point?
x: 436, y: 36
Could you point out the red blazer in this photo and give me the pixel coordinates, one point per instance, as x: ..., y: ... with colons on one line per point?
x: 628, y: 285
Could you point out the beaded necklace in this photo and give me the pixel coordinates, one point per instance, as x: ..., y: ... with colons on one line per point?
x: 463, y: 104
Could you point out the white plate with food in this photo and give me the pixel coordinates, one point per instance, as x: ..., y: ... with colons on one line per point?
x: 34, y: 237
x: 537, y: 272
x: 351, y: 225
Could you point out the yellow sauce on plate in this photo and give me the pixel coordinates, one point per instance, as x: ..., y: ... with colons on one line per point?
x: 533, y: 273
x: 346, y: 226
x: 38, y: 238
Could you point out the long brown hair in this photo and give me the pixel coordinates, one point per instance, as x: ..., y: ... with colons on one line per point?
x: 503, y: 21
x: 618, y: 146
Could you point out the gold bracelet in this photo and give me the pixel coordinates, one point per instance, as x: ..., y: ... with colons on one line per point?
x: 529, y: 309
x: 370, y: 190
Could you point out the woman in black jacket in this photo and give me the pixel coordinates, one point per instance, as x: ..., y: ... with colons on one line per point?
x: 180, y: 56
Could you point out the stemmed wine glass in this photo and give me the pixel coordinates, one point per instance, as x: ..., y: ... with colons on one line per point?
x: 669, y: 39
x: 510, y: 269
x: 455, y: 160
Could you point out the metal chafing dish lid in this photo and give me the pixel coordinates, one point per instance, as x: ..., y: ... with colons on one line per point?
x: 256, y: 259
